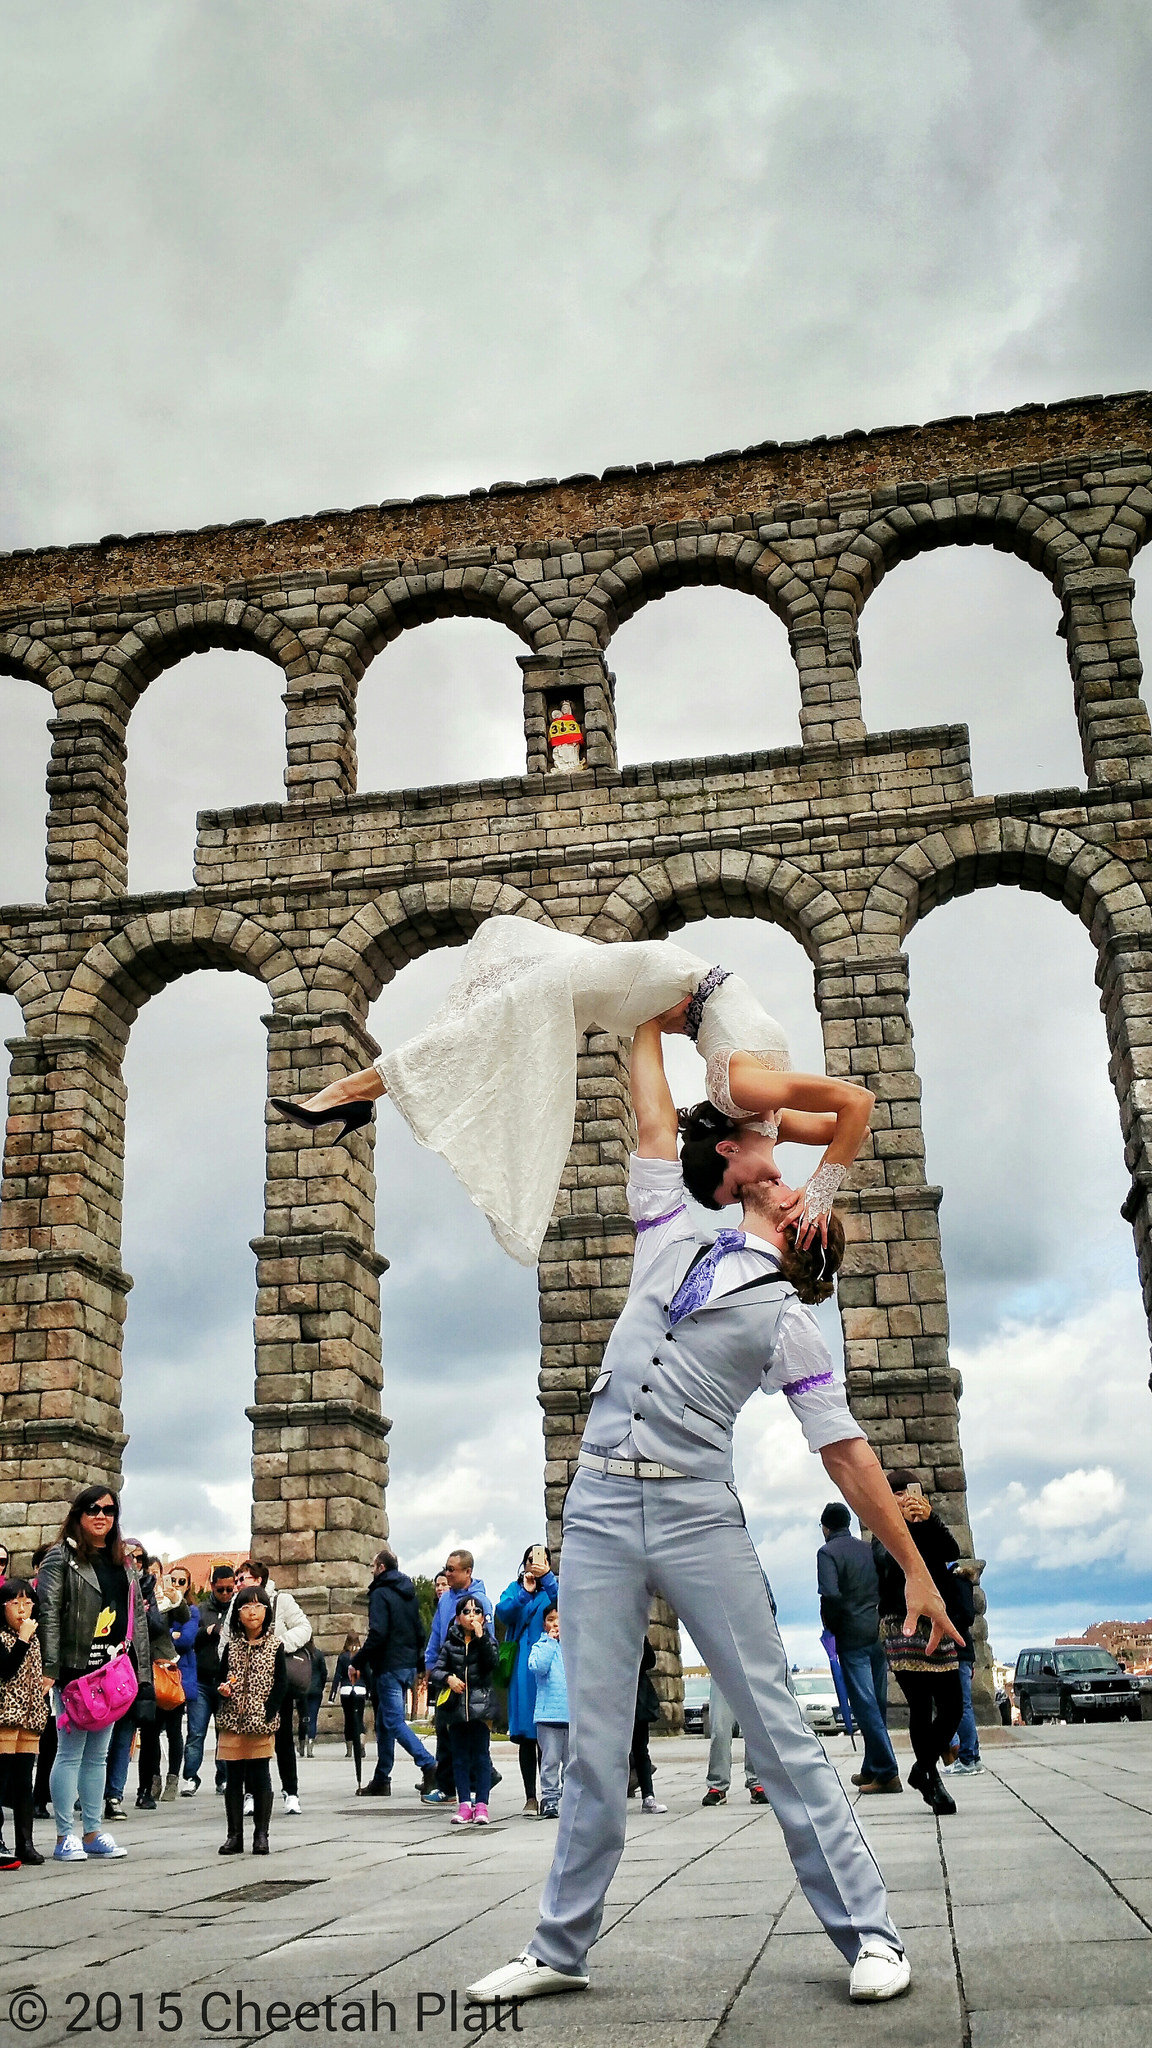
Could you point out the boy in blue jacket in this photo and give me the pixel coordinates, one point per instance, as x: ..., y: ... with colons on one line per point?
x: 546, y: 1663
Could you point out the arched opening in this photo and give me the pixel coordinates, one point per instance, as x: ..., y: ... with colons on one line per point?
x: 460, y: 1334
x: 969, y: 636
x: 208, y: 734
x: 703, y: 671
x: 443, y: 703
x: 24, y: 713
x: 1047, y: 1327
x: 193, y: 1199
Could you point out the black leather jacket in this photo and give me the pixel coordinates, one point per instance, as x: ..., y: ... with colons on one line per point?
x: 70, y: 1603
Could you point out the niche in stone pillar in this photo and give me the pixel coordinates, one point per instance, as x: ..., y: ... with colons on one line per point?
x: 567, y: 748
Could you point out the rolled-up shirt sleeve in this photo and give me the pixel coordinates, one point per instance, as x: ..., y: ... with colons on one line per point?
x: 658, y: 1206
x: 801, y: 1369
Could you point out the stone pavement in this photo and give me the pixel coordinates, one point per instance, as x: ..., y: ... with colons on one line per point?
x: 1028, y: 1916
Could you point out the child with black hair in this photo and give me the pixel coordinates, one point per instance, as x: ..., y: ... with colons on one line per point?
x: 253, y: 1682
x: 465, y: 1669
x: 23, y: 1711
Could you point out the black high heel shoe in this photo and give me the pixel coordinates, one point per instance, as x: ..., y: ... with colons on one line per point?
x: 351, y: 1116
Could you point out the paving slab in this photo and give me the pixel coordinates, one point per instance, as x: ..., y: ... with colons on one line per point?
x: 1029, y: 1911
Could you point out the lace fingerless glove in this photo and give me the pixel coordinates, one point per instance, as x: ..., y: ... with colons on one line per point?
x: 820, y: 1192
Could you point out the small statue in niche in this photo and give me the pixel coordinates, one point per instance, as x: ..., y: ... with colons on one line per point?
x: 565, y: 739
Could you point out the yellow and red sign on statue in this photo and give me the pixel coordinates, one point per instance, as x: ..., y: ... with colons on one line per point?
x: 565, y: 739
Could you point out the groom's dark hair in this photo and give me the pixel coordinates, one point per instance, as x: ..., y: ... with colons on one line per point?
x: 701, y: 1129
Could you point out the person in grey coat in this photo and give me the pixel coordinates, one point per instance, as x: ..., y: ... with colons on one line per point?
x: 653, y: 1509
x: 849, y: 1593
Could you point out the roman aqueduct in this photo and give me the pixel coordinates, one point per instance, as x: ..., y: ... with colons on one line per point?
x: 846, y: 840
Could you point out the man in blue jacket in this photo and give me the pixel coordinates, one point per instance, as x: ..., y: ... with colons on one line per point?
x: 458, y: 1572
x: 391, y: 1654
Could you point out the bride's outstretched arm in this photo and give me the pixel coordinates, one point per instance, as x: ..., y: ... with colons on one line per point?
x: 812, y: 1109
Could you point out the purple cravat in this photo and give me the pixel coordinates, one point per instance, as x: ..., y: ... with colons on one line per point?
x: 694, y: 1290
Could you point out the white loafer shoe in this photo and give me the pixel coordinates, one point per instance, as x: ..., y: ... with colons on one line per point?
x: 880, y: 1971
x: 525, y: 1978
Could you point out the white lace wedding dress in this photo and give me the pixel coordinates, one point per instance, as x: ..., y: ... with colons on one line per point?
x: 490, y: 1084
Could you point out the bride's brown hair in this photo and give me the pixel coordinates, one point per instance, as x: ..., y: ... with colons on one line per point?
x: 813, y: 1271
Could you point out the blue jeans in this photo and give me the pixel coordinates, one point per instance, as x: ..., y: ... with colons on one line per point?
x: 966, y: 1734
x: 119, y: 1756
x: 392, y: 1728
x: 866, y: 1677
x: 81, y: 1760
x: 200, y: 1711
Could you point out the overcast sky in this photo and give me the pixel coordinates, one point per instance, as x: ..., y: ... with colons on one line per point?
x: 266, y: 260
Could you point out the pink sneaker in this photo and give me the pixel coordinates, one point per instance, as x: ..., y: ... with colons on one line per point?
x: 480, y: 1814
x: 463, y: 1816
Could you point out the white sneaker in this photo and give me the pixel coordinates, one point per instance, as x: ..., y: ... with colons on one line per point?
x: 880, y: 1971
x: 249, y: 1803
x: 652, y: 1805
x: 525, y: 1978
x: 291, y: 1803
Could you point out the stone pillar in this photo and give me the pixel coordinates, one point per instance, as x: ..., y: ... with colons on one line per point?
x: 1124, y: 978
x: 1105, y: 661
x: 582, y: 675
x: 319, y: 1439
x: 826, y: 651
x: 320, y: 731
x: 87, y: 854
x: 63, y: 1296
x: 893, y: 1298
x: 585, y: 1267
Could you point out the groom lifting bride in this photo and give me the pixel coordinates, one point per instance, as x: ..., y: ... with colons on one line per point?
x: 652, y: 1509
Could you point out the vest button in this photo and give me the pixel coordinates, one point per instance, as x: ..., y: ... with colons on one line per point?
x: 645, y: 1390
x: 656, y: 1358
x: 636, y: 1416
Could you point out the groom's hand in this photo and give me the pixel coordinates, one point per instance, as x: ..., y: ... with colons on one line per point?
x: 924, y: 1601
x: 672, y: 1021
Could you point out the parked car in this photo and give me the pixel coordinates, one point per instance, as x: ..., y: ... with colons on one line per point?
x: 1073, y: 1685
x: 696, y: 1717
x: 819, y: 1705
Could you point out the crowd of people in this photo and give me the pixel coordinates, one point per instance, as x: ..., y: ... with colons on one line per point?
x: 239, y: 1655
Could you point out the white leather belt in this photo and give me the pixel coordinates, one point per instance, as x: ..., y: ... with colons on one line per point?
x: 628, y: 1468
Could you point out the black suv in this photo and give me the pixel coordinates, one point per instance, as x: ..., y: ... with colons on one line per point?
x: 1073, y: 1685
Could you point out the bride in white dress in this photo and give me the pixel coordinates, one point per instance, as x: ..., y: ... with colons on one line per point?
x: 490, y: 1083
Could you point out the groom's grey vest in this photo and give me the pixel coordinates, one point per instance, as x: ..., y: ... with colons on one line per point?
x: 679, y: 1391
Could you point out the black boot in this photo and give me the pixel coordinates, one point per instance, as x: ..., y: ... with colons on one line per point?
x: 939, y: 1799
x: 263, y: 1814
x: 233, y: 1844
x: 20, y: 1797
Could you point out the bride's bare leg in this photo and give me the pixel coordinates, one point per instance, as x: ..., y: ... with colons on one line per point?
x: 362, y: 1087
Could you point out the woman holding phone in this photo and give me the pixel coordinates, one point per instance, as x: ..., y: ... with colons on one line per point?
x: 930, y: 1684
x: 520, y: 1610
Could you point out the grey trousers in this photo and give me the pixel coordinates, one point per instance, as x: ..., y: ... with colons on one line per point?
x: 721, y: 1721
x: 625, y: 1540
x: 553, y: 1739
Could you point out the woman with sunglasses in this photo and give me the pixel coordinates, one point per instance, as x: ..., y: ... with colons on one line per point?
x: 90, y: 1606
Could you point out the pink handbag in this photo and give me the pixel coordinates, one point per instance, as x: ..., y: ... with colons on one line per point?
x: 97, y: 1698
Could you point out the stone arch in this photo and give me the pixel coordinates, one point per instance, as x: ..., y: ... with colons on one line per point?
x: 1050, y: 859
x: 26, y: 983
x: 739, y: 561
x: 160, y: 641
x: 675, y: 892
x: 484, y: 592
x: 1010, y: 522
x: 33, y: 661
x: 386, y: 934
x: 117, y: 976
